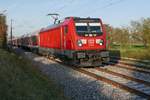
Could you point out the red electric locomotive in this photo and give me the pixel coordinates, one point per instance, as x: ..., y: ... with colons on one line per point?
x: 80, y: 40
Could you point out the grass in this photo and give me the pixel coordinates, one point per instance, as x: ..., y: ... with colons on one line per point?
x: 19, y: 80
x: 137, y: 52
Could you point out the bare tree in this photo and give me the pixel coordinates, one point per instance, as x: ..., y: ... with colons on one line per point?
x: 109, y: 35
x: 141, y: 31
x: 117, y: 36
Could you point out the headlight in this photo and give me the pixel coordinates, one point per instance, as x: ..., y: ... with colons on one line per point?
x: 99, y: 41
x: 79, y: 42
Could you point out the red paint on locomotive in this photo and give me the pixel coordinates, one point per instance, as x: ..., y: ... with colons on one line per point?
x: 52, y: 37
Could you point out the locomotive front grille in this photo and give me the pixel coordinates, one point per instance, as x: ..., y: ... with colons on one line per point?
x: 92, y: 54
x: 81, y: 55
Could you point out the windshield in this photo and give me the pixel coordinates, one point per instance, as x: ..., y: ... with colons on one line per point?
x: 88, y: 29
x: 82, y: 29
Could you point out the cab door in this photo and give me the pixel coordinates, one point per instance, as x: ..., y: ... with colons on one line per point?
x: 65, y: 37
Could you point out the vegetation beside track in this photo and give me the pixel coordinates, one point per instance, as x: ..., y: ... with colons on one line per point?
x: 19, y: 80
x: 136, y: 52
x: 130, y: 41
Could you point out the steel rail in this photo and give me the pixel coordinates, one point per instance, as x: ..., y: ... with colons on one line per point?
x: 129, y: 68
x: 123, y: 76
x: 114, y: 83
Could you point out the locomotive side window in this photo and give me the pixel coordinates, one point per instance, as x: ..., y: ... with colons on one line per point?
x: 34, y: 39
x: 66, y: 29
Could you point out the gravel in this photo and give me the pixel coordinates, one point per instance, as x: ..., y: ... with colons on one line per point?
x: 78, y: 86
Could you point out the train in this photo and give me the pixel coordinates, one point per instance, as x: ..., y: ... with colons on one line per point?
x: 80, y: 41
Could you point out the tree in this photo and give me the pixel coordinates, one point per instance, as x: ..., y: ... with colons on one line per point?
x: 117, y: 36
x: 120, y: 36
x: 146, y: 32
x: 141, y: 31
x: 108, y: 35
x: 3, y: 31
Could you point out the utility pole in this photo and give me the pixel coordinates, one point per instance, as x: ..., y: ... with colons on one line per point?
x: 11, y: 33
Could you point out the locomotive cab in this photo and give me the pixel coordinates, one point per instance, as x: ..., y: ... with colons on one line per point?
x: 88, y: 42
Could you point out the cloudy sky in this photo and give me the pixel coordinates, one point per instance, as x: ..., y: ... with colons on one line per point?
x: 30, y: 15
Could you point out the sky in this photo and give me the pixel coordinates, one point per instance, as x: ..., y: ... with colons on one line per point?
x: 31, y: 15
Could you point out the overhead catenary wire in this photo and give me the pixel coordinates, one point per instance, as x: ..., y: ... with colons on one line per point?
x: 60, y: 8
x: 111, y: 3
x: 65, y: 5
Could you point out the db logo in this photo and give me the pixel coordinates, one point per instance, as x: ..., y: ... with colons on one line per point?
x: 91, y: 42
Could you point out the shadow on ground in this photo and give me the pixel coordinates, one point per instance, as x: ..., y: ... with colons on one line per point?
x: 115, y: 54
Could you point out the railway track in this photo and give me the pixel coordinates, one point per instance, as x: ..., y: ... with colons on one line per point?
x: 134, y: 87
x: 131, y: 84
x: 132, y: 60
x: 124, y: 76
x: 130, y: 66
x: 125, y: 82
